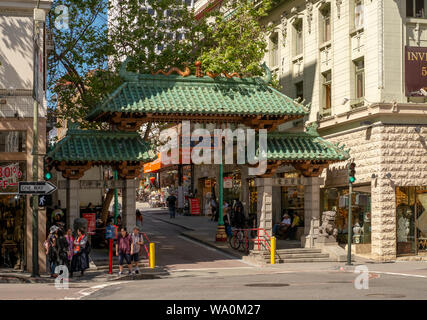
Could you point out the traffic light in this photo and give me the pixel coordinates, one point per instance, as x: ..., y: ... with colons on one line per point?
x: 47, y: 170
x: 352, y: 172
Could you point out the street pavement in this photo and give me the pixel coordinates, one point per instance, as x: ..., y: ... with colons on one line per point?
x: 174, y: 252
x: 197, y: 271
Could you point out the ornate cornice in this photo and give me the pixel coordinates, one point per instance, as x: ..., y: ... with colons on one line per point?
x: 338, y: 4
x: 284, y: 27
x: 309, y: 12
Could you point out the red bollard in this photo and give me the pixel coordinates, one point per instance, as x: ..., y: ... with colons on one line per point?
x: 110, y: 261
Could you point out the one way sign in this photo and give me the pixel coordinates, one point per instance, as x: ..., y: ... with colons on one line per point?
x: 39, y: 187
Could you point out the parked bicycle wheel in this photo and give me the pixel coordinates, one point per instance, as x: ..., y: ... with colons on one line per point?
x: 234, y: 242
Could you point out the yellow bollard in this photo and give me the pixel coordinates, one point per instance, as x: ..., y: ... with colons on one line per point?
x: 273, y: 250
x: 152, y: 256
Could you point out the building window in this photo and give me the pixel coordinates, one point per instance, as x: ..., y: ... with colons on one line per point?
x: 359, y: 12
x: 299, y: 90
x: 416, y: 8
x: 337, y: 199
x: 12, y: 141
x: 411, y: 222
x: 327, y: 83
x: 360, y: 78
x: 274, y: 50
x: 325, y: 13
x: 298, y: 37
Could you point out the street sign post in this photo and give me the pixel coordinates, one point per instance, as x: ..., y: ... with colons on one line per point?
x: 36, y: 187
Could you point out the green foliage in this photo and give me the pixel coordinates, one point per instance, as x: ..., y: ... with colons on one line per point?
x: 236, y: 40
x: 83, y: 66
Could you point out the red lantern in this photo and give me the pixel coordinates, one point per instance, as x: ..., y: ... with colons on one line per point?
x: 152, y: 179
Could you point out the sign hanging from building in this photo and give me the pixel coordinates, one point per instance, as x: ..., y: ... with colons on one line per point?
x: 228, y: 182
x: 195, y: 206
x: 10, y: 175
x: 415, y: 71
x: 91, y: 222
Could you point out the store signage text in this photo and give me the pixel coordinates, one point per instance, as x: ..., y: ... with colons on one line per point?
x: 416, y: 71
x: 9, y: 176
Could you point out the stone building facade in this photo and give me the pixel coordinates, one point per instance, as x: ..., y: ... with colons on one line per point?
x: 347, y: 58
x: 17, y: 58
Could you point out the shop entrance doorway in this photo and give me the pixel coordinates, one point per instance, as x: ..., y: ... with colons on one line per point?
x: 411, y: 220
x: 12, y: 226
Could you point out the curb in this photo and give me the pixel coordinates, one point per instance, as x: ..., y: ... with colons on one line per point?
x: 211, y: 245
x: 14, y: 278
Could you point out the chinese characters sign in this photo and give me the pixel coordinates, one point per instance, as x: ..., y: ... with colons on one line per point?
x: 415, y: 71
x: 10, y: 175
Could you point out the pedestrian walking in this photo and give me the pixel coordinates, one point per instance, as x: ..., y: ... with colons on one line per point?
x: 70, y: 243
x: 214, y: 206
x: 124, y: 250
x: 62, y: 247
x: 52, y: 250
x: 171, y: 200
x: 137, y: 241
x: 80, y: 260
x: 139, y: 219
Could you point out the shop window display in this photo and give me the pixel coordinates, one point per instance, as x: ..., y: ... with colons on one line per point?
x: 12, y: 210
x: 233, y: 194
x: 411, y: 220
x: 293, y: 199
x: 12, y: 213
x: 253, y: 196
x: 337, y: 199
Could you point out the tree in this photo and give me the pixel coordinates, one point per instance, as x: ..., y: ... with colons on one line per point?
x: 86, y: 56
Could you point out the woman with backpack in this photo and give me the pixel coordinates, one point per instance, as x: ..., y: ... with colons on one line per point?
x: 80, y: 260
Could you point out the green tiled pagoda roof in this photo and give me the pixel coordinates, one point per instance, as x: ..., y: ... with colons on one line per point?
x: 302, y: 146
x: 104, y: 146
x: 191, y: 95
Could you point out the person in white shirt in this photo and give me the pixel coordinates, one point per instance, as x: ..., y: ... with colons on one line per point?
x: 282, y: 228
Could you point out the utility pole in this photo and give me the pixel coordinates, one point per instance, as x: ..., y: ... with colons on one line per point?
x: 35, y: 204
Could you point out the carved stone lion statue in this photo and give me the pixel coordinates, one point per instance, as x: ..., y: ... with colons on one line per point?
x: 327, y: 228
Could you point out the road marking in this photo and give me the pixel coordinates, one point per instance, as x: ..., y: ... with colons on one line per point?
x: 203, y: 269
x: 400, y: 274
x: 88, y: 291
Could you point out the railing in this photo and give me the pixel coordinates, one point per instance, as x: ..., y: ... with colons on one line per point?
x: 145, y: 244
x: 259, y: 240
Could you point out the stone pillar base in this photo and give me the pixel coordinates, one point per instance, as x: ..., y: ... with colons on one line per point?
x: 221, y: 236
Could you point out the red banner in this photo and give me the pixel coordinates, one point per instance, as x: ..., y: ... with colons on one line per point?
x: 195, y: 206
x: 91, y: 222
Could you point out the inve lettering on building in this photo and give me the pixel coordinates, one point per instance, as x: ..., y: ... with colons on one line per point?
x: 415, y: 71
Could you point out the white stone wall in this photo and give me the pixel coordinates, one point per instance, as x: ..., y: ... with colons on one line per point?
x: 381, y: 42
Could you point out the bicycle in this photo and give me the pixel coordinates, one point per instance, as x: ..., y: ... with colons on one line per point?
x: 240, y: 240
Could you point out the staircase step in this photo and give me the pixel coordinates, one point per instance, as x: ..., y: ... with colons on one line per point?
x: 299, y: 250
x: 303, y: 256
x: 280, y: 253
x: 306, y: 260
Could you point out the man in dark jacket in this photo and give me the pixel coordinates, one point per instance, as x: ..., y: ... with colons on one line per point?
x: 171, y: 200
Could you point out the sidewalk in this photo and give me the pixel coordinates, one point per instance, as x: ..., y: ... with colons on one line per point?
x: 198, y: 228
